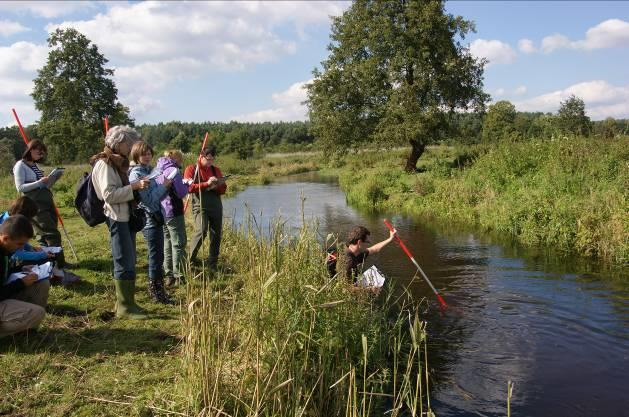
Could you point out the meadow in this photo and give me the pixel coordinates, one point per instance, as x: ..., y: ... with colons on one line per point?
x: 568, y: 193
x: 270, y: 335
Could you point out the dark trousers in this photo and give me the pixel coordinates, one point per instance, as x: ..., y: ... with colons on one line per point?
x: 45, y: 221
x: 122, y: 249
x: 208, y: 216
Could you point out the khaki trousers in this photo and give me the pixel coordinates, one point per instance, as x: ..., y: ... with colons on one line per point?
x: 25, y: 310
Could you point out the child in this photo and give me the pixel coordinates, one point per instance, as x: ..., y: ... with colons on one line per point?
x: 150, y: 201
x: 29, y: 255
x: 174, y: 222
x: 22, y: 301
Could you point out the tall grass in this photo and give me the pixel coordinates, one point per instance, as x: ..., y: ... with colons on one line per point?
x: 568, y: 193
x: 286, y: 340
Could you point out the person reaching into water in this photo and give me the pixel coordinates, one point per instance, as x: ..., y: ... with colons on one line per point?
x: 358, y: 250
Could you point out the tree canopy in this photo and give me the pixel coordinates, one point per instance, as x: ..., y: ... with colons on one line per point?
x: 499, y: 121
x: 571, y: 117
x: 396, y: 69
x: 74, y: 91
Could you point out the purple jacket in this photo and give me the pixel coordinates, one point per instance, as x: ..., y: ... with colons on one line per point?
x: 178, y: 189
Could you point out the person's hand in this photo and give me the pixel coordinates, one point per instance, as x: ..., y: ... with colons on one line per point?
x: 212, y: 182
x: 37, y: 249
x: 392, y: 234
x: 45, y: 180
x: 51, y: 255
x: 167, y: 183
x: 29, y: 279
x: 140, y: 185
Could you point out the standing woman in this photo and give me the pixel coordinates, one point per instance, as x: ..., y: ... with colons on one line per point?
x: 174, y: 221
x: 31, y: 182
x: 207, y: 186
x: 150, y: 198
x: 111, y: 183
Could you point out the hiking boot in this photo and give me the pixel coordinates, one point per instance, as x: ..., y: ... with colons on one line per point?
x: 125, y: 301
x: 158, y: 293
x: 174, y: 282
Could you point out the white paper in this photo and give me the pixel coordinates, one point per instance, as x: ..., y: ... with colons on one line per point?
x: 43, y: 271
x: 372, y: 278
x: 51, y: 249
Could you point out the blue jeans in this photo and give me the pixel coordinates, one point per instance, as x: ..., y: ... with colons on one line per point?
x: 122, y: 249
x: 154, y: 237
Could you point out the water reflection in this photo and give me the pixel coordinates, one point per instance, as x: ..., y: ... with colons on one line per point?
x: 557, y: 327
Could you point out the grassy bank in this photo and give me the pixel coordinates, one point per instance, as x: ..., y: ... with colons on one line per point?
x: 273, y: 336
x: 570, y: 193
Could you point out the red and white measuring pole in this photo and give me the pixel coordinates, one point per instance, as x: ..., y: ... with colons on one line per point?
x: 25, y: 138
x: 106, y: 123
x: 410, y: 255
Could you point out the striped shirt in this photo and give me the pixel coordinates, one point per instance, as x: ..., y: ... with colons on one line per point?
x: 37, y: 171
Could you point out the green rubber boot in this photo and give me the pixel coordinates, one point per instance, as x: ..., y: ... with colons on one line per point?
x: 125, y: 301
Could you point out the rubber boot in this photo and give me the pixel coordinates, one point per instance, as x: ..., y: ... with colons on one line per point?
x: 125, y: 301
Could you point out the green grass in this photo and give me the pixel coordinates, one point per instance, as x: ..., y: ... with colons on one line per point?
x: 272, y: 337
x: 569, y: 194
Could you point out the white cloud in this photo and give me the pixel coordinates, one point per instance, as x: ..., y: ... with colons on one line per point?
x: 612, y: 33
x: 289, y: 106
x: 46, y: 9
x: 8, y: 28
x: 499, y: 92
x: 18, y: 66
x: 519, y: 91
x: 156, y: 43
x: 526, y: 46
x: 601, y: 99
x: 495, y: 51
x: 555, y: 41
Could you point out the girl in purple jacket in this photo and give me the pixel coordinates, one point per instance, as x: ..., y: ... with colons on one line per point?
x: 173, y: 211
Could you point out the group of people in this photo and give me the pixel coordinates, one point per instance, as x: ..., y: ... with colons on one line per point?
x: 136, y: 197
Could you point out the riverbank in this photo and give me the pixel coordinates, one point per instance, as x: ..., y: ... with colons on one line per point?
x: 270, y: 335
x: 569, y: 194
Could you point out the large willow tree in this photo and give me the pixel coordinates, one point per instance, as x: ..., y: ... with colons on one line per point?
x: 396, y: 69
x: 74, y: 91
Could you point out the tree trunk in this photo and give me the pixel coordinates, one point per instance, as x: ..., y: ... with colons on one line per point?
x: 416, y: 151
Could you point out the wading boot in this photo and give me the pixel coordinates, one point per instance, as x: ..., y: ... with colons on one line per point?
x: 125, y: 301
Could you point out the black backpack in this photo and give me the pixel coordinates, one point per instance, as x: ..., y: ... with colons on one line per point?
x: 87, y: 203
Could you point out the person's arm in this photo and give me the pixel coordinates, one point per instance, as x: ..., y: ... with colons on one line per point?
x: 181, y: 189
x: 378, y: 246
x: 6, y: 291
x: 106, y: 179
x: 221, y: 186
x: 30, y: 256
x: 19, y: 175
x: 152, y: 195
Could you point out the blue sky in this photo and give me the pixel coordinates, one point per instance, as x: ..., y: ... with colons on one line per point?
x: 248, y: 61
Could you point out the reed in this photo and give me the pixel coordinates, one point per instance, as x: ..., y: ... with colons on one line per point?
x: 278, y: 337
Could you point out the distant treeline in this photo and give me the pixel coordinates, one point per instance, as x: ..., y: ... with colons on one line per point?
x: 253, y: 139
x: 472, y: 128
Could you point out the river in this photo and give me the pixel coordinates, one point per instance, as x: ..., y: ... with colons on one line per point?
x: 557, y: 327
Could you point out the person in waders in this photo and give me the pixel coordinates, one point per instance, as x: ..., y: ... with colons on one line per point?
x: 31, y: 182
x: 207, y: 184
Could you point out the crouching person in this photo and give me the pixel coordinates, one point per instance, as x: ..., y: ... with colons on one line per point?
x: 23, y: 300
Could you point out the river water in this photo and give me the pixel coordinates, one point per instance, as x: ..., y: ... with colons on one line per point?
x: 558, y: 328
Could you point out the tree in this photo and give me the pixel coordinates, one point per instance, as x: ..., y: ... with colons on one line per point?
x: 74, y: 91
x: 571, y: 117
x: 395, y: 70
x: 499, y: 122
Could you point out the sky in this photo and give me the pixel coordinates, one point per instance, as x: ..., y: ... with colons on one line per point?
x: 248, y: 61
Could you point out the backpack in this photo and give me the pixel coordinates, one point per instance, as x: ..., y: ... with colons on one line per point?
x: 87, y: 203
